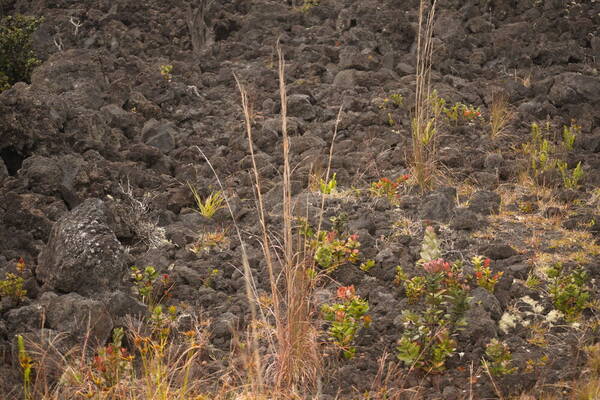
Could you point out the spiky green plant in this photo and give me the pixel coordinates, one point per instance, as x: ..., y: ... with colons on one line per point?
x: 209, y: 206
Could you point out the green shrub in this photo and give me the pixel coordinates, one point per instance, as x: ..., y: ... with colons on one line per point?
x: 17, y: 58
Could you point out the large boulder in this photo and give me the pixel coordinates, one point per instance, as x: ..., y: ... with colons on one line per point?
x: 83, y: 254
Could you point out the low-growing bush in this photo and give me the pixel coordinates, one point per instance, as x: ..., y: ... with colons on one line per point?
x: 17, y: 58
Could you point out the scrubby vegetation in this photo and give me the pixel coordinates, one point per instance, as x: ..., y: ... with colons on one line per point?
x: 391, y: 213
x: 17, y: 58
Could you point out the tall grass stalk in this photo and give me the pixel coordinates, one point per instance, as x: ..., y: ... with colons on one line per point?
x: 424, y: 123
x: 295, y: 348
x: 297, y: 356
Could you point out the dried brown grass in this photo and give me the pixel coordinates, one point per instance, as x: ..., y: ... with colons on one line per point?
x: 424, y: 123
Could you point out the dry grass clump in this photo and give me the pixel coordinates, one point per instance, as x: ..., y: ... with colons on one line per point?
x: 146, y: 361
x: 500, y: 114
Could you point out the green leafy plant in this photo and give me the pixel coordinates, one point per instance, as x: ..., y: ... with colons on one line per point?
x: 540, y: 151
x: 544, y: 155
x: 569, y: 290
x: 331, y: 251
x: 571, y: 178
x: 367, y: 265
x: 347, y: 318
x: 12, y: 286
x: 328, y: 187
x: 111, y: 363
x: 424, y: 344
x: 390, y: 119
x: 162, y: 322
x: 209, y: 206
x: 209, y: 281
x: 461, y: 112
x: 150, y: 286
x: 484, y: 276
x: 415, y: 288
x: 394, y: 100
x: 500, y: 358
x: 387, y: 188
x: 427, y: 340
x: 569, y: 134
x: 17, y: 58
x: 165, y: 71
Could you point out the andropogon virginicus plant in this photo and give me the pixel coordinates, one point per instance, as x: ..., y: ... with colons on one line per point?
x: 296, y: 361
x: 424, y: 123
x: 500, y: 114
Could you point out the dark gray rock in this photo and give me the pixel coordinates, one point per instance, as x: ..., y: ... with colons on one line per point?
x: 79, y: 316
x: 485, y: 202
x: 160, y: 134
x: 224, y: 326
x: 451, y: 157
x: 345, y: 79
x: 485, y: 179
x: 3, y: 171
x: 465, y: 219
x: 405, y: 69
x: 299, y: 105
x: 479, y: 24
x: 489, y: 302
x: 301, y: 144
x: 481, y: 327
x: 573, y: 88
x: 120, y: 305
x: 439, y: 206
x: 82, y: 255
x: 117, y: 117
x: 274, y: 125
x: 24, y: 319
x: 189, y: 276
x: 519, y: 271
x: 43, y: 175
x: 352, y: 58
x: 493, y: 161
x: 497, y: 251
